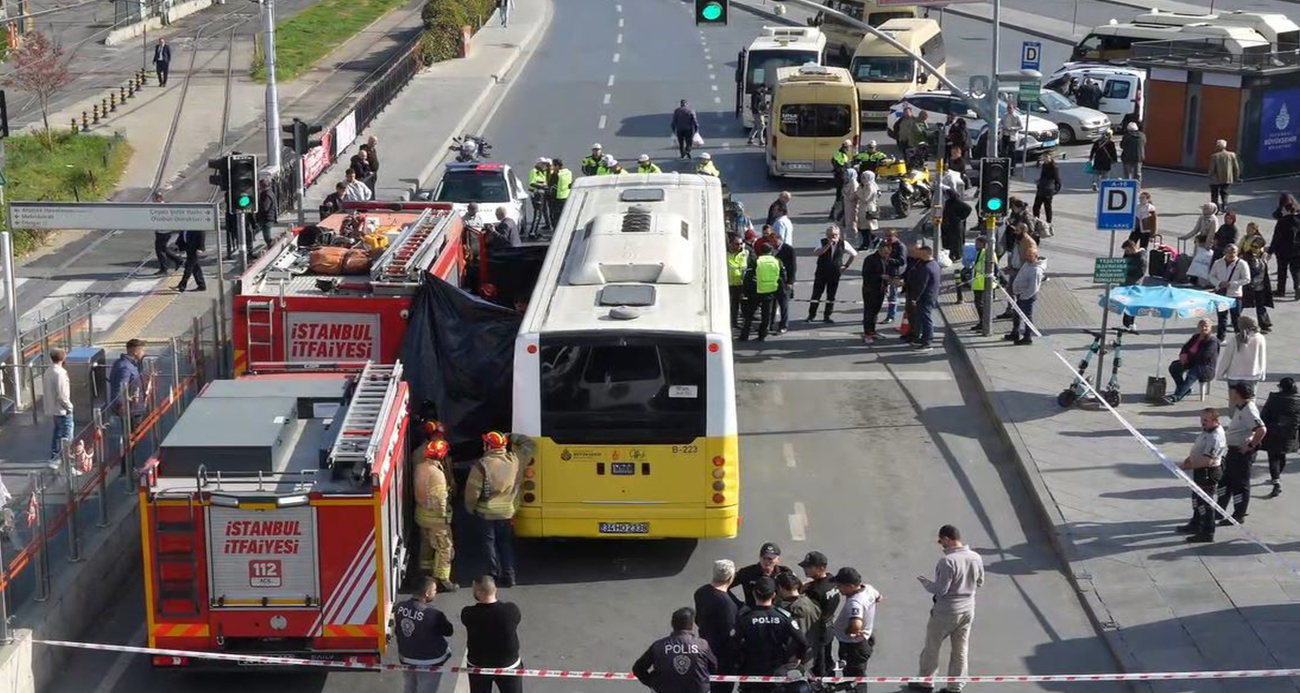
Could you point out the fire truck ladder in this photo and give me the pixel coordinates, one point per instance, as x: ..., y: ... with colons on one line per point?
x: 177, y: 564
x: 262, y: 309
x: 411, y: 253
x: 371, y: 404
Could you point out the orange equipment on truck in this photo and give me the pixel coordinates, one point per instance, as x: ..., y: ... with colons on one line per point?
x: 287, y: 310
x: 272, y: 516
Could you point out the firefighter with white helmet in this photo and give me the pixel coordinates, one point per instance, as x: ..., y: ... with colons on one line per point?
x: 645, y: 165
x: 433, y: 493
x: 705, y: 166
x: 492, y: 493
x: 591, y: 163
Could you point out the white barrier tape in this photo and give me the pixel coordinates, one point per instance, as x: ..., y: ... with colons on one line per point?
x: 1146, y: 442
x: 626, y: 676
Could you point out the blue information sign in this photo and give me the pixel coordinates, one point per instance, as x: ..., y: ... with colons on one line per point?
x: 1031, y: 55
x: 1116, y: 205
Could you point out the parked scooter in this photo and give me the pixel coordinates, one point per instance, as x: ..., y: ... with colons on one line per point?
x: 470, y: 148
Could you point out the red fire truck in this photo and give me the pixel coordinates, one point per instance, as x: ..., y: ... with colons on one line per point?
x: 285, y: 313
x: 271, y: 516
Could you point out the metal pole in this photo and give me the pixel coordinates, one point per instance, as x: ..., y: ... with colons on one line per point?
x: 989, y: 268
x: 5, y: 638
x: 128, y: 448
x: 272, y: 99
x: 1105, y: 315
x: 43, y: 554
x: 993, y: 80
x: 175, y: 389
x: 302, y: 191
x: 101, y: 466
x: 1024, y: 153
x: 11, y: 304
x: 240, y: 223
x: 990, y: 221
x: 74, y: 529
x: 221, y: 271
x: 936, y: 199
x: 1074, y: 23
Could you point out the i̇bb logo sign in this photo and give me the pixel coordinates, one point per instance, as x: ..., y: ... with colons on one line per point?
x: 264, y: 573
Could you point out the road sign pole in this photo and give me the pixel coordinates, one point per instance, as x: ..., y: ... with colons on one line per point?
x: 990, y: 266
x: 1105, y: 315
x: 991, y: 151
x: 11, y: 304
x: 219, y: 326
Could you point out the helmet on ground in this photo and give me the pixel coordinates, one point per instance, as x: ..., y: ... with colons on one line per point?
x: 644, y: 158
x: 706, y: 156
x: 434, y: 429
x: 494, y: 440
x: 436, y: 449
x: 608, y: 161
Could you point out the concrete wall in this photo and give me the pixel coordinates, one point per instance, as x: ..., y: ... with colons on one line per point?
x: 175, y: 12
x: 79, y: 595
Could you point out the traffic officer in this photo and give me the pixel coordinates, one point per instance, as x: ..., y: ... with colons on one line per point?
x: 737, y: 263
x: 871, y: 156
x: 490, y: 493
x: 538, y: 185
x: 766, y: 277
x: 980, y: 283
x: 591, y: 164
x: 645, y: 165
x: 422, y: 633
x: 825, y: 594
x: 433, y: 511
x: 839, y: 164
x: 854, y: 623
x: 766, y: 638
x: 608, y: 164
x: 679, y: 663
x: 705, y: 166
x: 563, y: 181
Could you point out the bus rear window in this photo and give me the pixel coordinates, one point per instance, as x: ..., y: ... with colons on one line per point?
x: 636, y: 389
x: 764, y: 64
x: 816, y: 120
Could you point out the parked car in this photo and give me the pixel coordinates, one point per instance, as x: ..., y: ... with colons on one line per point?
x: 491, y: 185
x: 1121, y: 87
x: 1041, y: 136
x: 1074, y: 123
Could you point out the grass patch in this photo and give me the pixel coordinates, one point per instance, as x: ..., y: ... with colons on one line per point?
x: 80, y: 166
x: 307, y: 36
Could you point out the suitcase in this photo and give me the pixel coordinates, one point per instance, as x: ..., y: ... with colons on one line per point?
x: 1158, y: 263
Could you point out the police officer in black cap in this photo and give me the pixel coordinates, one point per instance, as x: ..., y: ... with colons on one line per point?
x: 766, y: 638
x: 679, y: 663
x: 822, y: 590
x: 769, y: 565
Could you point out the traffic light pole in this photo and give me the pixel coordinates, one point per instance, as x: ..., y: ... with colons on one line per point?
x: 990, y: 221
x: 241, y: 224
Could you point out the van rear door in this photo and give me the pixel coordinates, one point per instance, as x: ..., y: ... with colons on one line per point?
x: 1120, y: 97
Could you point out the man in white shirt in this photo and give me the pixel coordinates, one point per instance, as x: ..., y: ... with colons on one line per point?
x: 854, y: 623
x: 57, y: 402
x: 1205, y: 462
x: 785, y: 229
x: 356, y: 191
x: 1228, y: 275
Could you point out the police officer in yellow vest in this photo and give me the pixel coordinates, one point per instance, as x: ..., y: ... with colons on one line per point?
x: 645, y: 165
x: 705, y: 166
x: 839, y: 163
x: 592, y: 162
x: 538, y: 185
x: 737, y: 264
x: 871, y: 156
x: 609, y: 165
x: 491, y: 493
x: 562, y: 181
x: 765, y: 277
x: 433, y: 513
x: 978, y: 282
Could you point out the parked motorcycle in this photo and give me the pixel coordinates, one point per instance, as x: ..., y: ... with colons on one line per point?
x: 913, y: 189
x: 470, y: 148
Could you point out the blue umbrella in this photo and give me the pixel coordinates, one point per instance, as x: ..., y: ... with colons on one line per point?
x: 1164, y: 302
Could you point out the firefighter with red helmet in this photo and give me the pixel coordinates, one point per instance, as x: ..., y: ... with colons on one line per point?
x: 492, y: 494
x: 433, y: 493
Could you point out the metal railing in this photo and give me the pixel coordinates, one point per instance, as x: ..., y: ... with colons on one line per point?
x: 1212, y: 53
x: 66, y: 496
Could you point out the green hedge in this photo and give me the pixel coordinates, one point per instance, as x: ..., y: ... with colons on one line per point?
x: 443, y: 20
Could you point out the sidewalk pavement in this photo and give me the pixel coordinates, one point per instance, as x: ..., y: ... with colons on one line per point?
x: 443, y: 101
x: 1161, y: 604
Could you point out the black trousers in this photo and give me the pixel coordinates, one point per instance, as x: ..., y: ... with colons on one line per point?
x: 1042, y: 202
x: 162, y: 67
x: 1276, y: 465
x: 164, y: 253
x: 1203, y: 515
x: 1287, y: 265
x: 479, y: 683
x: 855, y: 656
x: 828, y: 282
x: 685, y: 140
x: 737, y: 295
x: 1235, y: 485
x: 872, y: 300
x: 556, y: 206
x: 1219, y: 196
x: 193, y: 269
x: 1234, y: 312
x: 763, y: 304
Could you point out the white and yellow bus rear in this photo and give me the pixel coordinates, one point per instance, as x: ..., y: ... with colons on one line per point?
x: 623, y: 367
x: 814, y: 110
x: 775, y: 48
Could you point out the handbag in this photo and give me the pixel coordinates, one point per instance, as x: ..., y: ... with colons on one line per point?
x: 1088, y: 169
x: 696, y: 140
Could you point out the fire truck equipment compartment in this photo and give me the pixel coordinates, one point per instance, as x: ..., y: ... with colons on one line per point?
x: 311, y: 393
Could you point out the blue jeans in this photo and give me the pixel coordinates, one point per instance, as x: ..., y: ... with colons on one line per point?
x: 499, y: 545
x: 924, y: 312
x: 1027, y: 306
x: 505, y: 13
x: 893, y: 303
x: 1184, y: 379
x: 62, y: 431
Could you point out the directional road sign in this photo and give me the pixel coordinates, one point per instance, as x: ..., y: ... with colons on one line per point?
x: 1110, y: 270
x: 1116, y: 204
x: 1031, y: 55
x: 114, y: 216
x: 1027, y: 97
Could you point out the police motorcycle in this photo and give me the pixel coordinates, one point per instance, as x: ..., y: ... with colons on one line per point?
x: 914, y: 186
x: 470, y: 148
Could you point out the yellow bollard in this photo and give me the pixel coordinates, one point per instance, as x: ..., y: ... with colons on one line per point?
x: 112, y: 100
x: 85, y: 122
x: 95, y: 113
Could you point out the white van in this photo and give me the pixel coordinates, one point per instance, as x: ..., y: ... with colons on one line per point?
x: 884, y: 74
x: 775, y: 48
x: 1121, y: 87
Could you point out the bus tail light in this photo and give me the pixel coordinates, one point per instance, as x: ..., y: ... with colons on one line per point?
x: 719, y: 473
x: 718, y: 486
x: 713, y: 347
x: 530, y: 498
x: 529, y: 472
x: 719, y: 499
x: 532, y: 348
x: 718, y: 460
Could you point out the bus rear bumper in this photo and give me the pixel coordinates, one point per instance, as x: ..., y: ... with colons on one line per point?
x: 577, y: 520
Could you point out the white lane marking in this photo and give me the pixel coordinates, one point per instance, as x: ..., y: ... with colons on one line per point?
x: 113, y: 309
x: 725, y: 145
x: 798, y: 523
x: 710, y: 66
x: 714, y: 86
x: 767, y: 376
x: 620, y: 22
x: 618, y: 39
x: 616, y: 57
x: 717, y: 99
x: 18, y: 283
x: 606, y: 98
x: 618, y: 8
x: 119, y: 665
x: 712, y: 76
x: 462, y: 680
x: 66, y: 292
x: 610, y: 83
x: 601, y: 124
x: 787, y: 451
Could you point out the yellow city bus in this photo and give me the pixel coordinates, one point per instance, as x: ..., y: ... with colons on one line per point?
x: 623, y: 367
x: 842, y: 37
x: 814, y: 110
x: 884, y: 74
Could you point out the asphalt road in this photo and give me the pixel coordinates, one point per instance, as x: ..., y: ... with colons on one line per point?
x: 860, y: 453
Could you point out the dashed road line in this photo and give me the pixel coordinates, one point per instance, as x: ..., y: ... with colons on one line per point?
x: 799, y: 523
x: 718, y: 99
x: 618, y: 39
x: 714, y: 86
x: 601, y: 124
x: 616, y: 57
x: 787, y: 451
x: 712, y: 76
x: 610, y: 83
x: 606, y: 98
x: 618, y: 8
x: 620, y: 22
x: 710, y: 66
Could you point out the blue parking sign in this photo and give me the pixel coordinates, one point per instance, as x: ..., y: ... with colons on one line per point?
x: 1031, y: 55
x: 1117, y: 205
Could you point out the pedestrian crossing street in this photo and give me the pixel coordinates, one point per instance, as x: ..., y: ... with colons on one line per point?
x: 41, y: 299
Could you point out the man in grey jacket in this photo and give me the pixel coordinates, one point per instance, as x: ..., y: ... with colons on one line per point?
x: 956, y: 578
x: 1029, y: 279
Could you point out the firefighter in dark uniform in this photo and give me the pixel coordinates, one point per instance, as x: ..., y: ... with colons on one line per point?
x: 766, y: 639
x: 679, y: 663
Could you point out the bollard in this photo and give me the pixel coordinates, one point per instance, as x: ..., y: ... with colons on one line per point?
x: 5, y: 638
x: 97, y: 418
x: 94, y: 113
x: 42, y: 563
x: 130, y: 87
x: 128, y: 448
x: 176, y: 371
x: 85, y: 122
x: 70, y: 501
x: 31, y: 392
x: 112, y: 100
x: 121, y: 94
x: 74, y: 126
x: 103, y: 107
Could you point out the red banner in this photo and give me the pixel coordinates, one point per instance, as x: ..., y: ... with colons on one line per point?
x: 316, y: 160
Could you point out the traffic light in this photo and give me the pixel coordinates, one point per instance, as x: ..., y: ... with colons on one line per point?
x: 711, y: 12
x: 299, y: 136
x: 220, y: 176
x: 995, y: 186
x: 242, y: 196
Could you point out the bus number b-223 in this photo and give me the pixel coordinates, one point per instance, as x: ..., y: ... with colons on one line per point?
x: 685, y: 449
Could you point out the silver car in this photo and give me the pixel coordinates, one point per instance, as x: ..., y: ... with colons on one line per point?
x: 1076, y: 123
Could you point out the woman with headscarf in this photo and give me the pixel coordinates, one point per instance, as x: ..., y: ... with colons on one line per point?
x: 1244, y: 358
x: 849, y: 192
x: 868, y: 207
x: 1258, y: 294
x: 1227, y: 233
x: 1281, y: 414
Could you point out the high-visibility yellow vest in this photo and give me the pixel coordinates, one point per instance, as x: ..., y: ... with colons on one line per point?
x: 840, y: 158
x: 590, y: 164
x: 767, y: 274
x: 708, y: 169
x: 536, y: 179
x: 736, y: 263
x: 648, y: 168
x: 977, y: 276
x: 563, y: 179
x: 601, y: 170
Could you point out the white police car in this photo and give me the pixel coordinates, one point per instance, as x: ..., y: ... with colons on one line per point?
x: 491, y: 185
x: 1043, y: 134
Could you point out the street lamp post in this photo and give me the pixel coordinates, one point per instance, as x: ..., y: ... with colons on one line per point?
x: 272, y: 98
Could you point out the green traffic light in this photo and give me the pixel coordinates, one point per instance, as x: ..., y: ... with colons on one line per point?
x: 994, y: 204
x: 244, y: 201
x: 712, y: 12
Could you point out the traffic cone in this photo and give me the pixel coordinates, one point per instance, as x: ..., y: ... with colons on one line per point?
x: 904, y: 327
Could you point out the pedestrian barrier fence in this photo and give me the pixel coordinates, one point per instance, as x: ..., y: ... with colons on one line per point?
x: 1145, y: 442
x: 627, y: 676
x: 57, y: 495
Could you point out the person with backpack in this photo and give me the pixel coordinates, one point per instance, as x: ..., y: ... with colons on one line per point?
x: 1102, y: 157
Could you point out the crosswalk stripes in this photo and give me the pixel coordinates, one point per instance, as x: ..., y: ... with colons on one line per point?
x: 18, y: 284
x: 65, y: 293
x: 119, y: 302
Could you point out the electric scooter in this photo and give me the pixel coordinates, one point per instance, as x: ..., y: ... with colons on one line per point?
x: 1076, y: 393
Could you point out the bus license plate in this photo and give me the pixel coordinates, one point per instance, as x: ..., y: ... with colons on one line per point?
x: 622, y: 468
x: 624, y: 527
